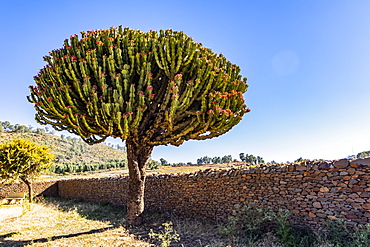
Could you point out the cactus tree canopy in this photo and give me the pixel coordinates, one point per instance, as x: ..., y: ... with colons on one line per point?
x: 147, y: 88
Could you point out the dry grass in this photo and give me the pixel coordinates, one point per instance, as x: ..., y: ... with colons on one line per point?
x: 61, y: 223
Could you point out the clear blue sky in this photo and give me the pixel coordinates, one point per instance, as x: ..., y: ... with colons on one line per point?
x: 307, y: 64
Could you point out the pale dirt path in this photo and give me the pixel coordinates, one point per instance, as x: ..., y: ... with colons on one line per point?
x: 11, y: 211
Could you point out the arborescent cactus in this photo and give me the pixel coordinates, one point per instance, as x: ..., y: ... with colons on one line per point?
x: 147, y: 88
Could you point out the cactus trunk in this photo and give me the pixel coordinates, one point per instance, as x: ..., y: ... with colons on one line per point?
x: 137, y: 155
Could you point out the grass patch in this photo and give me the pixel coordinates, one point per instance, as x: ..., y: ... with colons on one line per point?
x: 58, y: 222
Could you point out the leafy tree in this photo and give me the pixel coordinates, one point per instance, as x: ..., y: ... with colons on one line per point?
x: 147, y: 88
x: 260, y: 160
x: 216, y: 160
x: 7, y: 126
x: 227, y: 159
x: 200, y: 161
x: 152, y: 164
x: 23, y: 159
x: 362, y: 155
x: 242, y: 157
x: 40, y: 131
x: 206, y: 160
x: 163, y: 162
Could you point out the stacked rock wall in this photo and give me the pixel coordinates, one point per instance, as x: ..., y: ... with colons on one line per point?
x: 47, y: 188
x: 312, y: 191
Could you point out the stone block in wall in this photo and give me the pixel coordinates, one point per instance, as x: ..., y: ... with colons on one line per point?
x: 360, y: 162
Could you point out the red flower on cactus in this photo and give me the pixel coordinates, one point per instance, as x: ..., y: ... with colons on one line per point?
x: 49, y: 99
x: 210, y: 112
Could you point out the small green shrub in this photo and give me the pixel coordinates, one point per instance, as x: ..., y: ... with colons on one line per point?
x: 166, y: 236
x: 291, y: 235
x: 248, y: 221
x: 341, y: 234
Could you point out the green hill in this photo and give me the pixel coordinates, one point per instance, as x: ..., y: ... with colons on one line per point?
x: 74, y: 155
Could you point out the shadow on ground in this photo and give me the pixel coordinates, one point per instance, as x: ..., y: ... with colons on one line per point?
x: 191, y: 232
x: 44, y: 240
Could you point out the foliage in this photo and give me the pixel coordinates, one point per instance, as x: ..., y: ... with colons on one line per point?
x: 227, y: 159
x: 255, y: 160
x: 85, y: 167
x: 152, y: 164
x: 363, y: 155
x: 250, y: 222
x: 204, y: 160
x: 74, y: 155
x: 146, y: 88
x: 23, y: 159
x: 120, y: 81
x: 166, y: 236
x: 163, y: 162
x: 341, y: 234
x: 216, y: 160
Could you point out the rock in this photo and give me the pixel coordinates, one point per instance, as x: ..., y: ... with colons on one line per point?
x: 343, y: 163
x: 357, y: 189
x: 361, y: 162
x: 324, y: 189
x: 300, y: 168
x: 324, y: 166
x: 351, y: 216
x: 312, y: 215
x: 316, y: 205
x: 364, y: 194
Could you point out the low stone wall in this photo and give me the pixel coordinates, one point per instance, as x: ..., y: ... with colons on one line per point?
x: 47, y: 188
x: 311, y: 191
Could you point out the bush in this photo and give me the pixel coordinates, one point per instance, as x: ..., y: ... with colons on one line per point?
x: 250, y: 223
x: 339, y: 233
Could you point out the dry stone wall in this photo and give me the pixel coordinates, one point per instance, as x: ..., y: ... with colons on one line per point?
x: 312, y: 191
x: 47, y: 188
